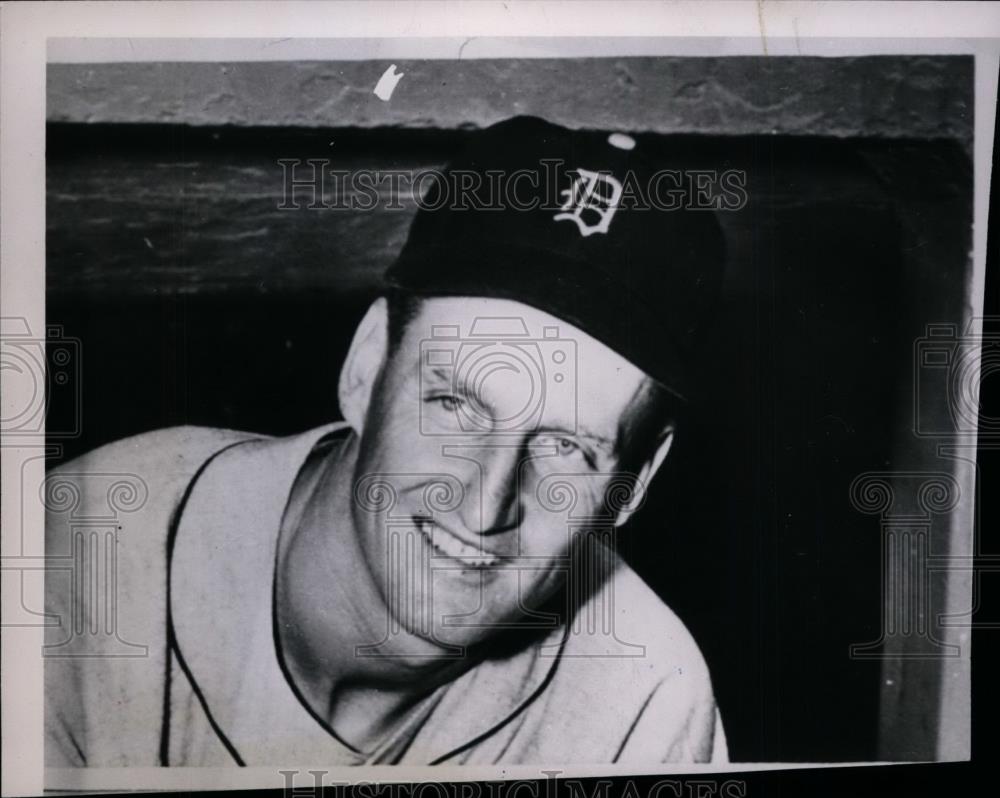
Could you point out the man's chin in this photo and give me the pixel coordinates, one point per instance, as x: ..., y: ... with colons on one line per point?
x: 459, y: 629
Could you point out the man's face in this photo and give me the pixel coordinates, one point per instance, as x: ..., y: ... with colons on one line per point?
x: 492, y: 434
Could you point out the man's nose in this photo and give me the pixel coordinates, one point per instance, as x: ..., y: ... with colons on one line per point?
x: 492, y: 502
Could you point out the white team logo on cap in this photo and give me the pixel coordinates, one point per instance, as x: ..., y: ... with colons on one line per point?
x: 591, y: 191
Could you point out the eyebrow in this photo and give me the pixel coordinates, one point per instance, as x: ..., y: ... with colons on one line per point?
x: 441, y: 374
x: 601, y: 441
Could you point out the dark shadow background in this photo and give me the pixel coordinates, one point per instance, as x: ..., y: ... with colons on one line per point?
x: 196, y: 301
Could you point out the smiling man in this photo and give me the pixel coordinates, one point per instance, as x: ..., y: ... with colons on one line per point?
x: 432, y: 580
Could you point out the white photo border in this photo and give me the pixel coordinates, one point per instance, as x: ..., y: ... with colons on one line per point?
x: 34, y: 33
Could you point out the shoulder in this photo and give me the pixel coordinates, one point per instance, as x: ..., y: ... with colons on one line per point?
x: 641, y: 632
x: 109, y: 515
x: 175, y: 449
x: 129, y: 489
x: 637, y: 677
x: 130, y: 479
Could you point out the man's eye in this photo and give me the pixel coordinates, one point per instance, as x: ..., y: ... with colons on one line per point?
x: 566, y: 447
x: 569, y: 453
x: 448, y: 402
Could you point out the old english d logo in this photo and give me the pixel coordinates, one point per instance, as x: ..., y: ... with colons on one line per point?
x: 597, y: 194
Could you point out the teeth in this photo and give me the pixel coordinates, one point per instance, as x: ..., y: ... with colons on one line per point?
x: 450, y: 546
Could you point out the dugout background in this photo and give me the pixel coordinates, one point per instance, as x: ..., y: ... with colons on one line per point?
x: 197, y: 301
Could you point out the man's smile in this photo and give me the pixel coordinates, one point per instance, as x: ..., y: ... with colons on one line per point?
x: 448, y: 544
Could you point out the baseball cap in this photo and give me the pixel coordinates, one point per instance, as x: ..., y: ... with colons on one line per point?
x: 580, y: 224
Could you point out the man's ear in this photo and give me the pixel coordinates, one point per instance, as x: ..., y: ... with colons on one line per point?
x: 646, y: 474
x: 363, y: 363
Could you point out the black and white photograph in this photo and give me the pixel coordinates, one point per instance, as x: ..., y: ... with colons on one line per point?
x: 503, y: 402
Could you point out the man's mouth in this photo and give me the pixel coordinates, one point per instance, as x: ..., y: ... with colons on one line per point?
x: 447, y: 544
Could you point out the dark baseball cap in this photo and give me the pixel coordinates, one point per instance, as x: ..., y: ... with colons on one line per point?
x: 580, y: 224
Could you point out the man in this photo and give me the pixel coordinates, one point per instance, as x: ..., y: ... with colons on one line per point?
x: 433, y: 580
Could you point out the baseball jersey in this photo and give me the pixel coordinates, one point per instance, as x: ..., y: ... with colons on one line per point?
x: 164, y: 652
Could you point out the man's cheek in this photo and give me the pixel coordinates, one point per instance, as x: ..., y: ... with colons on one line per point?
x: 545, y: 535
x: 396, y: 422
x: 395, y: 443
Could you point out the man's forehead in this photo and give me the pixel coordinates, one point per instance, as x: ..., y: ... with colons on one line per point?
x: 471, y: 317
